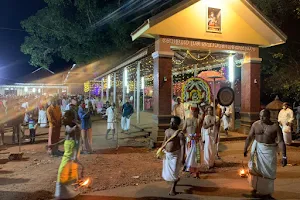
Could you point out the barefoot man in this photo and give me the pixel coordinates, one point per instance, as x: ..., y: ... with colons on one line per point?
x: 211, y: 126
x: 174, y: 148
x: 192, y: 127
x: 263, y: 156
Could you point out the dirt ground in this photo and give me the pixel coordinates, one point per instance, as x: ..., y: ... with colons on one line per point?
x: 34, y: 177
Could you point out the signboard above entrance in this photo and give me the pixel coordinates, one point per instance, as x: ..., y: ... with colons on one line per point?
x: 167, y: 43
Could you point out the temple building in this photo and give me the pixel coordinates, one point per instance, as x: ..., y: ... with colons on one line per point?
x: 195, y: 38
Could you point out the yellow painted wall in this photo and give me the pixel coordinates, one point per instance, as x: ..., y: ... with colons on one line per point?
x: 191, y: 23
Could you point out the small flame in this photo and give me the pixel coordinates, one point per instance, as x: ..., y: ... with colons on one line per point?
x: 243, y: 173
x: 86, y: 182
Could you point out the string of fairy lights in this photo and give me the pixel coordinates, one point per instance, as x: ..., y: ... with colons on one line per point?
x: 182, y: 69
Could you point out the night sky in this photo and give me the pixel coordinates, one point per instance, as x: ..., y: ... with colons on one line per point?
x: 13, y: 63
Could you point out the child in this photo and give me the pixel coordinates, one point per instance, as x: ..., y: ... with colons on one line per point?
x: 32, y: 125
x: 68, y: 169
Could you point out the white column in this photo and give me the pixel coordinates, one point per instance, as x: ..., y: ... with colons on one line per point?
x: 107, y: 89
x: 231, y: 65
x: 134, y: 94
x: 143, y: 89
x: 102, y: 89
x: 124, y: 87
x: 138, y: 90
x: 115, y: 87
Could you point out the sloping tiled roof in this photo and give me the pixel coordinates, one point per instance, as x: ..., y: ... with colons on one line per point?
x: 38, y: 76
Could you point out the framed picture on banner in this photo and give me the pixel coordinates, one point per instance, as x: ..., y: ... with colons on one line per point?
x: 214, y: 20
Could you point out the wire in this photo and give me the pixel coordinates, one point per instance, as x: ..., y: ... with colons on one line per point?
x: 11, y: 29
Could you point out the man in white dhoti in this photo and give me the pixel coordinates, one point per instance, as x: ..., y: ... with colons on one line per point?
x: 210, y: 129
x: 127, y: 111
x: 263, y: 157
x: 285, y: 119
x: 226, y: 112
x: 192, y: 127
x: 111, y: 119
x: 174, y: 147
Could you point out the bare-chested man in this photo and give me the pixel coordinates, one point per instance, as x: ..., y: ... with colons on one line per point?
x: 263, y: 158
x: 211, y: 127
x: 192, y: 127
x: 174, y: 149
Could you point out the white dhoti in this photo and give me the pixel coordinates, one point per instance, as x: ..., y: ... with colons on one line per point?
x: 192, y: 161
x: 125, y: 123
x: 110, y: 125
x: 262, y: 167
x: 171, y: 166
x: 287, y: 134
x: 226, y: 121
x: 209, y: 149
x: 202, y: 139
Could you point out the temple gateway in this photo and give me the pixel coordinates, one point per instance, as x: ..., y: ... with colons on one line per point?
x: 195, y: 38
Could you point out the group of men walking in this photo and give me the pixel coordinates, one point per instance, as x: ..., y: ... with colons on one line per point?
x: 183, y: 147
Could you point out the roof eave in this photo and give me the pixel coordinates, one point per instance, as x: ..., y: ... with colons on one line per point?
x: 140, y: 30
x: 266, y: 20
x: 272, y: 45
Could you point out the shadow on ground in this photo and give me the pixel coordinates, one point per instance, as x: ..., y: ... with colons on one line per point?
x: 38, y: 195
x: 4, y: 161
x: 8, y: 181
x: 90, y: 197
x: 122, y: 150
x: 5, y: 172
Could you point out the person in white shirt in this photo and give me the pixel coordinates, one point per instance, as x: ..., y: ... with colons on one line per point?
x: 86, y: 102
x: 25, y: 105
x: 225, y: 115
x: 64, y: 103
x: 111, y: 118
x: 42, y: 120
x: 285, y: 119
x: 210, y: 129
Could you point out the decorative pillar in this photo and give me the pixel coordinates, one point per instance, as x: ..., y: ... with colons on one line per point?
x: 115, y: 87
x: 102, y: 89
x: 162, y: 93
x: 250, y: 93
x: 138, y: 90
